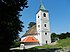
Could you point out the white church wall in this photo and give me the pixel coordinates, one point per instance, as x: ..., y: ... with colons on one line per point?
x: 49, y: 38
x: 36, y: 36
x: 44, y: 37
x: 42, y: 19
x: 23, y: 38
x: 47, y: 17
x: 38, y: 14
x: 38, y: 22
x: 45, y: 20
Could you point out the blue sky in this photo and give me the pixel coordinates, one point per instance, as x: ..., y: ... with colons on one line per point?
x: 59, y: 14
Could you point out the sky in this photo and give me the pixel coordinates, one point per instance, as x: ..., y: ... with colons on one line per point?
x: 59, y: 15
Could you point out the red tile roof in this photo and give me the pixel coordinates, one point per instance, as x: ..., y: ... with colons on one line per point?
x: 30, y: 39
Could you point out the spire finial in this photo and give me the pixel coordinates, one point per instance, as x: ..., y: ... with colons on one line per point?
x: 42, y: 6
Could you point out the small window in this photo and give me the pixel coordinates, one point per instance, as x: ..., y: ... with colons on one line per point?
x: 38, y: 25
x: 46, y: 42
x: 44, y: 15
x: 45, y: 33
x: 44, y: 25
x: 38, y: 16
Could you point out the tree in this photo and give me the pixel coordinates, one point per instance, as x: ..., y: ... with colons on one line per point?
x: 10, y: 25
x: 31, y: 24
x: 68, y: 34
x: 64, y: 35
x: 54, y: 37
x: 16, y: 43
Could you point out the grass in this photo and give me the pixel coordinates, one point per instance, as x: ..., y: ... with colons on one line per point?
x: 60, y: 44
x: 64, y: 42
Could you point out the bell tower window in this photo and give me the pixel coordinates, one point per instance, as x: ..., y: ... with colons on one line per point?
x: 44, y: 25
x: 46, y: 42
x: 38, y: 25
x: 45, y: 33
x: 38, y: 16
x: 44, y: 14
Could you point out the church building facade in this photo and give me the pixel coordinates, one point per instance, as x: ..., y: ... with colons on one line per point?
x: 43, y: 27
x: 43, y: 35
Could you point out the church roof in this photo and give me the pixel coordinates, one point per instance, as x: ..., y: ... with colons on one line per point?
x: 30, y: 39
x: 31, y: 31
x: 42, y: 7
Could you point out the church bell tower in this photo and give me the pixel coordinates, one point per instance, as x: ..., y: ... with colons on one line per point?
x: 42, y: 25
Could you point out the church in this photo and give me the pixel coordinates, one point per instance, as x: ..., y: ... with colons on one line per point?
x: 39, y: 34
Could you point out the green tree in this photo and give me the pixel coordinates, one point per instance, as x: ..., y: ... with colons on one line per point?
x: 62, y: 36
x: 68, y: 34
x: 10, y: 25
x: 53, y: 35
x: 31, y: 24
x: 16, y: 43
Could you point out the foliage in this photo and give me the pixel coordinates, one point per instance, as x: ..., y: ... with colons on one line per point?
x: 10, y: 25
x: 64, y: 42
x: 15, y: 44
x: 31, y: 24
x: 60, y: 36
x: 64, y: 35
x: 53, y: 35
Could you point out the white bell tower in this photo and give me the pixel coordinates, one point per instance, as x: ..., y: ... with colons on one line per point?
x: 42, y: 25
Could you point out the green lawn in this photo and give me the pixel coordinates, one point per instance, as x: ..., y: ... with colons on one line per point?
x: 60, y: 44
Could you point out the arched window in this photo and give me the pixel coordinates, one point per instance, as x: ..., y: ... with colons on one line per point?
x: 45, y: 33
x: 44, y: 25
x: 46, y: 42
x: 38, y: 25
x: 38, y: 16
x: 44, y: 14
